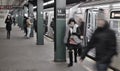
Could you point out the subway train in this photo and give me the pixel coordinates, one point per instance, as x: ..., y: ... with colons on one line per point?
x: 88, y: 12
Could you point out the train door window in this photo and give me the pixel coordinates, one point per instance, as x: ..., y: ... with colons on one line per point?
x: 115, y: 26
x: 89, y: 18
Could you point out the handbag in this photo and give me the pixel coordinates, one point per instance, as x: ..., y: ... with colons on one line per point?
x: 74, y: 40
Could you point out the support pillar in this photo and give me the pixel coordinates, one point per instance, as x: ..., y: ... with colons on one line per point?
x: 40, y: 28
x: 30, y: 14
x: 60, y: 25
x: 25, y: 10
x: 19, y: 19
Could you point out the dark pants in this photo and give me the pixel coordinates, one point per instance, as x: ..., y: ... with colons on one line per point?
x: 102, y: 67
x: 79, y: 49
x: 71, y: 55
x: 8, y: 34
x: 25, y: 30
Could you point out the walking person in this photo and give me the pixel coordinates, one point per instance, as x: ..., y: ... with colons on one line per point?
x: 81, y: 27
x: 25, y: 25
x: 52, y: 24
x: 29, y: 25
x: 14, y: 21
x: 72, y: 40
x: 104, y: 41
x: 8, y: 23
x: 46, y: 23
x: 35, y: 24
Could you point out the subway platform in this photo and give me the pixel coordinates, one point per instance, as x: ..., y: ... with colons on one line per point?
x: 20, y: 54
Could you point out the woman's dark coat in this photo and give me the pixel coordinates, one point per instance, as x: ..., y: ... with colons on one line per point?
x: 8, y: 22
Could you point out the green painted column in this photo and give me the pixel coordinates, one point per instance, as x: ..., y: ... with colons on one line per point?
x: 19, y: 19
x: 60, y: 23
x: 30, y: 14
x: 22, y: 18
x: 40, y: 28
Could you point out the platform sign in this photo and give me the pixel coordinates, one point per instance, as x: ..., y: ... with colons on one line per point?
x: 61, y: 13
x: 115, y: 15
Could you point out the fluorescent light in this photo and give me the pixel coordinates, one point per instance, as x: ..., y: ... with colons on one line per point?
x: 34, y: 7
x: 101, y: 6
x: 50, y: 2
x: 116, y: 5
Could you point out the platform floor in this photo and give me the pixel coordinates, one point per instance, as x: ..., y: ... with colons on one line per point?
x: 20, y: 54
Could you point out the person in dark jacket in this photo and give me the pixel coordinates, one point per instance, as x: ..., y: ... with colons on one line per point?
x: 72, y: 31
x: 104, y: 41
x: 46, y: 23
x: 35, y: 24
x: 8, y: 22
x: 52, y: 24
x: 14, y: 21
x: 25, y: 25
x: 81, y: 27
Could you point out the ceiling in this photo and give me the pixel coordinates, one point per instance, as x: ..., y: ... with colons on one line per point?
x: 6, y: 2
x: 34, y: 2
x: 11, y: 2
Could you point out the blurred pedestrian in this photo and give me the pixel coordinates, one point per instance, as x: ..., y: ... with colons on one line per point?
x: 25, y: 25
x: 52, y: 24
x: 14, y: 21
x: 72, y: 40
x: 46, y: 23
x: 45, y: 26
x: 104, y: 41
x: 8, y: 23
x: 29, y: 25
x: 35, y: 24
x: 81, y: 27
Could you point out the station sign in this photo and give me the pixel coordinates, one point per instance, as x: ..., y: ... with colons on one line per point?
x: 115, y: 15
x: 61, y: 13
x: 9, y: 7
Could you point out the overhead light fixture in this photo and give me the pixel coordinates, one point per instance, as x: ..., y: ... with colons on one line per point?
x: 46, y: 3
x: 50, y: 2
x: 34, y: 7
x: 116, y: 5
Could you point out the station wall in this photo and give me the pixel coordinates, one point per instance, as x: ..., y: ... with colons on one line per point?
x: 3, y: 15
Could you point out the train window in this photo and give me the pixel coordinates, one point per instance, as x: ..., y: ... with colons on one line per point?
x: 115, y: 15
x: 89, y: 18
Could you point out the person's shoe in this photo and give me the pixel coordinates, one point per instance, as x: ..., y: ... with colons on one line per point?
x: 25, y: 35
x: 28, y: 37
x: 70, y: 65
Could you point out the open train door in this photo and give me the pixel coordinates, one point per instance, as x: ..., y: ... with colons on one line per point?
x: 90, y: 23
x: 90, y: 27
x: 115, y: 25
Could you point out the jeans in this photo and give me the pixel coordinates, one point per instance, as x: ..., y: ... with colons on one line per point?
x: 28, y: 31
x: 102, y: 67
x: 8, y: 34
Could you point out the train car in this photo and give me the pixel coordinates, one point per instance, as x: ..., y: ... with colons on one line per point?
x: 115, y: 25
